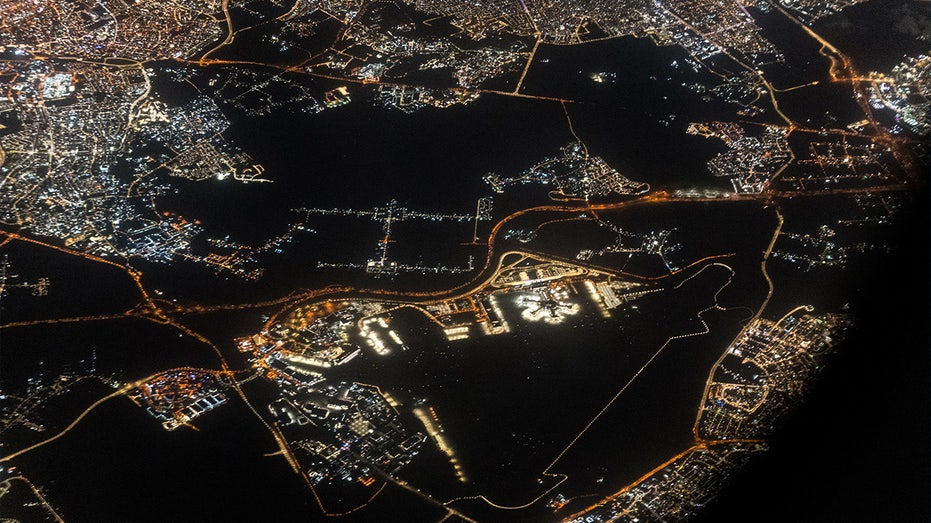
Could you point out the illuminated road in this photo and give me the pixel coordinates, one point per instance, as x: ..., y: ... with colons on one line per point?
x: 493, y: 258
x: 533, y: 52
x: 705, y: 330
x: 152, y: 310
x: 300, y: 69
x: 842, y: 70
x: 163, y: 312
x: 119, y: 392
x: 749, y: 322
x: 703, y: 445
x: 230, y: 33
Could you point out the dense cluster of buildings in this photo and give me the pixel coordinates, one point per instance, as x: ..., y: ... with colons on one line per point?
x: 113, y: 28
x: 178, y: 396
x: 764, y: 372
x: 751, y: 160
x: 703, y: 28
x: 364, y: 433
x: 381, y: 44
x: 907, y: 92
x: 676, y: 491
x: 342, y: 434
x: 93, y: 147
x: 573, y: 174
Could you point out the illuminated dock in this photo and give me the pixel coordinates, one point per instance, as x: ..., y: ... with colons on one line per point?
x: 431, y: 422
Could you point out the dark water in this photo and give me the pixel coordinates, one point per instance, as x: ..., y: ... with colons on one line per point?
x: 696, y: 230
x: 127, y: 349
x: 619, y: 119
x: 529, y: 392
x: 877, y: 35
x: 133, y: 470
x: 861, y: 435
x: 76, y: 285
x: 359, y: 156
x: 509, y: 404
x: 803, y: 62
